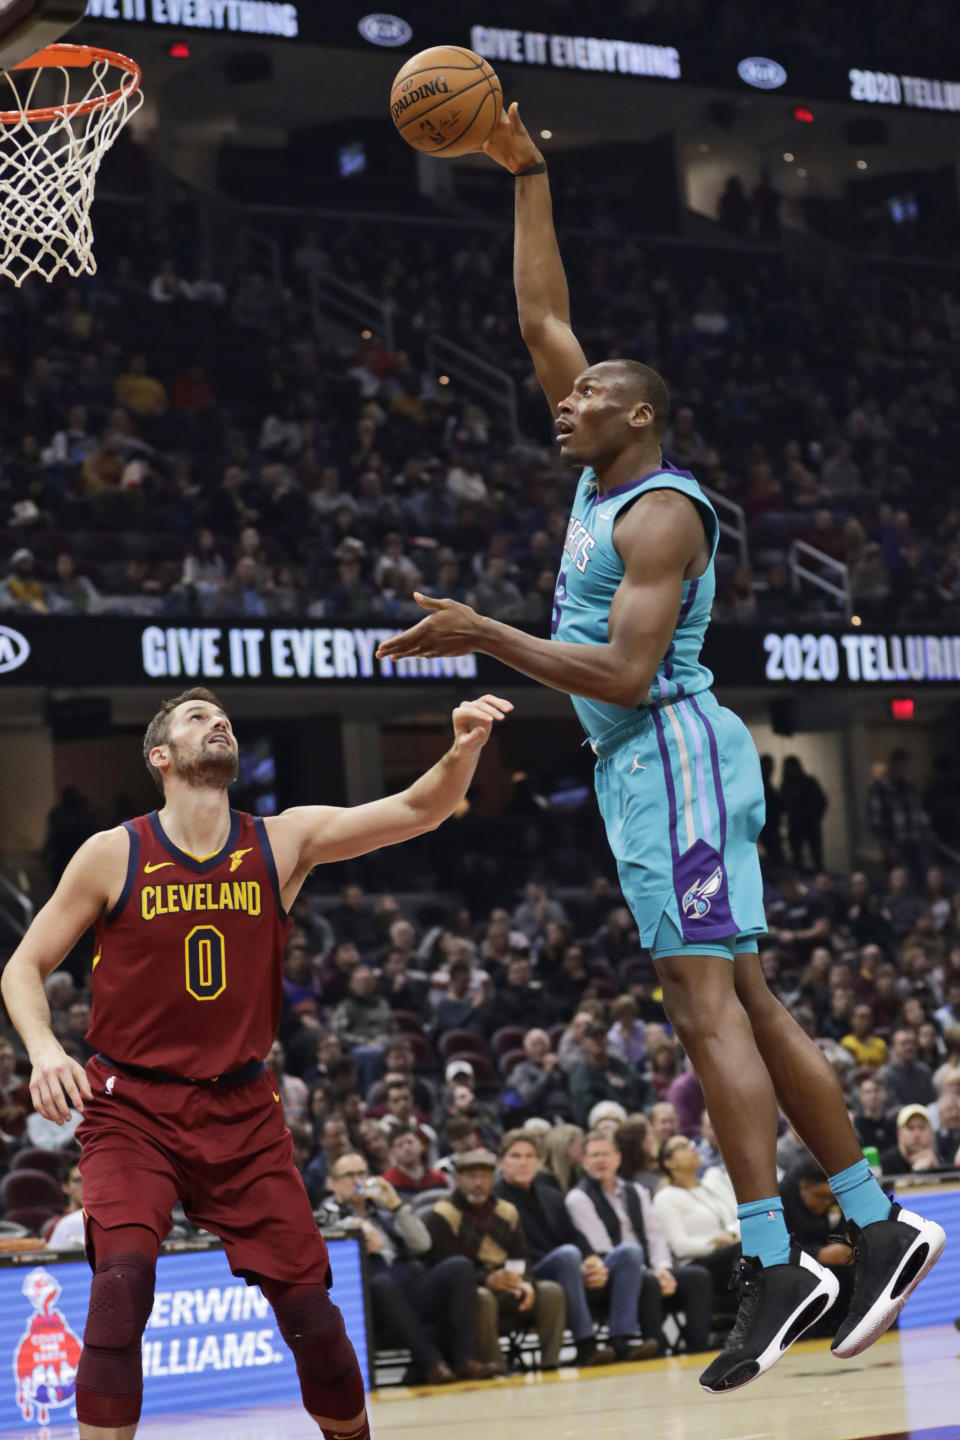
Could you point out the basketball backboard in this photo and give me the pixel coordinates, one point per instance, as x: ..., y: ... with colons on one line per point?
x: 26, y: 26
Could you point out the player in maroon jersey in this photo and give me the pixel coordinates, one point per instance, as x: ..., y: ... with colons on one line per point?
x: 190, y: 906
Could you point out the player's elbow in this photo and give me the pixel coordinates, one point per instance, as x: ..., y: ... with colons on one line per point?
x: 627, y: 689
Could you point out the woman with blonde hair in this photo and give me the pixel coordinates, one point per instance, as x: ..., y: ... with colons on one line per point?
x: 564, y: 1146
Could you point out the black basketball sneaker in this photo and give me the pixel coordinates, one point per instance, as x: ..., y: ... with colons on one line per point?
x: 777, y: 1304
x: 892, y: 1256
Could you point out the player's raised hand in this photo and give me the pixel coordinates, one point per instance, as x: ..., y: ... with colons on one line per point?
x: 510, y: 143
x: 57, y: 1084
x: 453, y: 629
x: 474, y: 720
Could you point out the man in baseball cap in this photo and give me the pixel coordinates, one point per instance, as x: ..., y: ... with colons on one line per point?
x: 476, y: 1223
x: 916, y: 1148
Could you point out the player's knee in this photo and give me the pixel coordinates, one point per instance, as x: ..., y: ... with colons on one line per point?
x: 121, y: 1298
x: 110, y: 1374
x: 313, y: 1327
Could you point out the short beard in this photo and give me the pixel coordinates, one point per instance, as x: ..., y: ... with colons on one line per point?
x: 214, y: 770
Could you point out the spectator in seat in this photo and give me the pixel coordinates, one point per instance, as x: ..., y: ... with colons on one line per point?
x: 399, y: 1109
x: 557, y: 1251
x: 69, y: 1229
x: 15, y: 1104
x: 916, y: 1148
x: 538, y: 1079
x: 334, y: 1142
x: 336, y: 970
x: 75, y: 1030
x: 363, y: 1020
x: 401, y: 987
x: 638, y: 1146
x: 627, y: 1035
x: 664, y: 1122
x: 874, y: 1126
x: 536, y: 910
x: 520, y: 1000
x: 866, y: 1047
x: 487, y: 1230
x: 700, y: 1224
x: 406, y: 1296
x: 564, y: 1153
x: 463, y: 1005
x: 798, y: 920
x: 495, y: 594
x: 601, y: 1076
x: 355, y: 919
x: 139, y: 391
x: 22, y: 590
x: 685, y: 1094
x: 407, y: 1173
x: 906, y: 1079
x: 461, y: 1133
x: 610, y: 1211
x: 400, y: 1061
x: 70, y: 593
x: 947, y: 1129
x: 570, y: 1051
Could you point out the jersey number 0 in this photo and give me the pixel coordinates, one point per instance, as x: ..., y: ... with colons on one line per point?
x: 206, y: 962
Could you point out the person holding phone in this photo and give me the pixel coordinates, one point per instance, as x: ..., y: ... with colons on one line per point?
x: 406, y: 1296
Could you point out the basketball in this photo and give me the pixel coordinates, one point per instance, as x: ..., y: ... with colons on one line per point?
x: 446, y: 101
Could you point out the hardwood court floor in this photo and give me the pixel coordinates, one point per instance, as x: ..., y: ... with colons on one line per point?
x: 907, y: 1387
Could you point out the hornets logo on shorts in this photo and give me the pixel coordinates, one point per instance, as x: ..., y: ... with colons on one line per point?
x: 696, y: 902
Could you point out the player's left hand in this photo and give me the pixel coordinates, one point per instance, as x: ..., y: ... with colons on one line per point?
x: 474, y: 720
x: 453, y: 629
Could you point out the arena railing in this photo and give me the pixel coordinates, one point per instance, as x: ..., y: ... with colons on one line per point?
x: 803, y: 557
x: 735, y: 526
x: 478, y: 377
x: 352, y: 307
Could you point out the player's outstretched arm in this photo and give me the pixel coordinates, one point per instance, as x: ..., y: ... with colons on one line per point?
x: 543, y: 299
x: 57, y: 1082
x: 319, y: 834
x: 657, y: 538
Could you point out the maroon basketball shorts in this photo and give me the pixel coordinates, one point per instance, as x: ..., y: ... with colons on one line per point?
x: 224, y: 1151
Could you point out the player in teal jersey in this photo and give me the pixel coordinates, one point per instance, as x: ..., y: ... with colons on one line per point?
x: 679, y: 786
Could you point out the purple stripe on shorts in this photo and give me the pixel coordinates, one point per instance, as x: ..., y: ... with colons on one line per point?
x: 671, y: 792
x: 715, y: 764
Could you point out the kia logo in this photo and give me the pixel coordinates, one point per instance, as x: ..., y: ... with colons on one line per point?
x: 385, y: 30
x: 762, y: 74
x: 14, y: 649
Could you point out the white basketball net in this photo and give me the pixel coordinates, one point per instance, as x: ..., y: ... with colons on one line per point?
x: 49, y: 165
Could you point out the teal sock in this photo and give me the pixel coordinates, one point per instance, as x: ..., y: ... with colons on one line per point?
x: 859, y: 1195
x: 763, y: 1232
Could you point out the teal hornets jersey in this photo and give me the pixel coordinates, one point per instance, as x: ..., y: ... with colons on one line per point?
x: 591, y: 572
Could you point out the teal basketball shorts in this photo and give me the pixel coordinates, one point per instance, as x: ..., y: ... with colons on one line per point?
x: 681, y: 795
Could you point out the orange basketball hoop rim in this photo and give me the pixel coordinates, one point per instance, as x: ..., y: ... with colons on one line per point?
x: 76, y: 57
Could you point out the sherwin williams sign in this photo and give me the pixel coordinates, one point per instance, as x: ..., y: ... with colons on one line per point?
x: 211, y: 1340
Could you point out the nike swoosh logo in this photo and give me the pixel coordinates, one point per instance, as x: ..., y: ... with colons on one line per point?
x: 276, y: 1097
x: 149, y: 869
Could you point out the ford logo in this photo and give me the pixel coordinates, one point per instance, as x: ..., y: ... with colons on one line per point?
x: 385, y: 30
x: 14, y: 649
x: 762, y: 74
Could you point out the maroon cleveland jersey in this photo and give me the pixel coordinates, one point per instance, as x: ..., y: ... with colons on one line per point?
x: 188, y: 967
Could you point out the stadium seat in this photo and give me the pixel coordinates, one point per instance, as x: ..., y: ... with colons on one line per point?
x: 508, y: 1037
x: 10, y: 1230
x: 406, y: 1021
x: 426, y: 1200
x: 509, y: 1059
x: 30, y: 1187
x: 31, y: 1217
x: 51, y: 1162
x: 457, y: 1040
x: 423, y: 1055
x: 46, y: 1230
